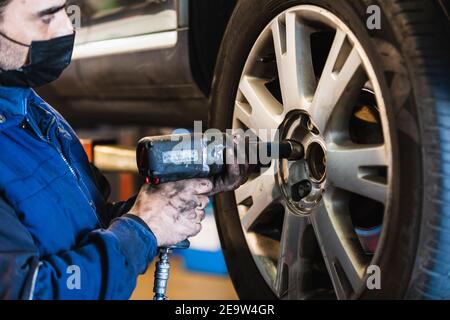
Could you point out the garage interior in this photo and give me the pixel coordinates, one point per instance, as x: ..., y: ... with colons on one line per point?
x: 346, y: 104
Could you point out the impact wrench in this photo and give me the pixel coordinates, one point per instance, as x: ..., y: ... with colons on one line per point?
x: 190, y: 156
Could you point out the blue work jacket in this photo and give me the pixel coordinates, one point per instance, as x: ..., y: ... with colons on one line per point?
x: 59, y: 238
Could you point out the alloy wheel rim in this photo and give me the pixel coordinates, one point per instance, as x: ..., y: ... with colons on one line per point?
x: 277, y: 230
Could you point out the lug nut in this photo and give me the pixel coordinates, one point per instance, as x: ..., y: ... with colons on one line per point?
x: 301, y: 190
x: 304, y: 188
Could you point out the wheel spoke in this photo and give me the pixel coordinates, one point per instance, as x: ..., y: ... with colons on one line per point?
x: 337, y: 84
x: 261, y: 110
x: 263, y: 191
x: 294, y: 61
x: 346, y: 167
x: 292, y: 266
x: 345, y: 266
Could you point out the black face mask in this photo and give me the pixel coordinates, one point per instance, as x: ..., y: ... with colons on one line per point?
x: 47, y: 60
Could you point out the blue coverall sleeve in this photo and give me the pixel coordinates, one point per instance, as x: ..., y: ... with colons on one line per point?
x: 118, y: 209
x: 104, y: 265
x: 113, y: 210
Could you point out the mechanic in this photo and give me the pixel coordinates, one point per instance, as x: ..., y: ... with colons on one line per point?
x: 55, y: 222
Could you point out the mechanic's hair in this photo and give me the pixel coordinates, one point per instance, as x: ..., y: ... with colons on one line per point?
x: 3, y: 4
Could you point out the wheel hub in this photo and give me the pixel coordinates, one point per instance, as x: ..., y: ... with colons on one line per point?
x: 302, y: 182
x: 317, y: 162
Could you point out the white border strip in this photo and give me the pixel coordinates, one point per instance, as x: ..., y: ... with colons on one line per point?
x: 102, y: 48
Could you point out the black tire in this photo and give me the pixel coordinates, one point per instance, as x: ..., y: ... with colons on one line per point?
x: 411, y: 55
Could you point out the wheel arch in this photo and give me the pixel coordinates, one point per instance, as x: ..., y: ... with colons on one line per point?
x: 207, y: 23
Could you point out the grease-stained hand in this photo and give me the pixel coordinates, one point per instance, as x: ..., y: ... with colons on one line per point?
x: 236, y: 172
x: 173, y: 211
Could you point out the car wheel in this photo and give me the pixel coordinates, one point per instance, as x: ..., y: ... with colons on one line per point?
x: 366, y: 213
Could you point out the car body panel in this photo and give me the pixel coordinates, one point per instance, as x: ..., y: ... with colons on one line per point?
x: 129, y: 60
